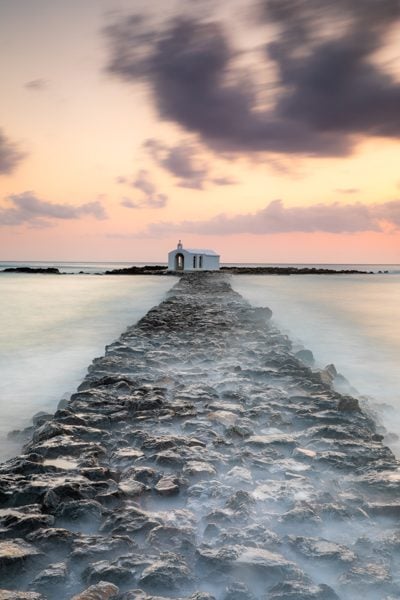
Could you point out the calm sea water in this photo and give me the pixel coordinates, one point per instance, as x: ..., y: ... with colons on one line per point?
x: 51, y: 327
x: 352, y: 321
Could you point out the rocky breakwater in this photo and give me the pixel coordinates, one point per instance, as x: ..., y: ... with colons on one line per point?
x: 200, y: 458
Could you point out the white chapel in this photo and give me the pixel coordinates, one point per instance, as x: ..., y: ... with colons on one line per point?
x: 192, y: 259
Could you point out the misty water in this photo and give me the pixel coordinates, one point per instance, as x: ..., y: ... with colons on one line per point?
x: 352, y: 321
x: 51, y: 327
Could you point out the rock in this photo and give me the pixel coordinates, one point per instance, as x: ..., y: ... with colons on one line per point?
x: 16, y: 595
x: 172, y: 538
x: 169, y: 573
x: 131, y: 487
x: 264, y: 561
x: 238, y: 591
x: 250, y: 560
x: 117, y: 572
x: 365, y: 576
x: 19, y: 521
x: 50, y: 579
x: 348, y: 404
x: 40, y: 417
x: 79, y: 510
x: 198, y: 469
x: 167, y: 486
x: 301, y: 591
x: 53, y: 539
x: 16, y: 554
x: 195, y: 455
x: 92, y: 547
x: 102, y: 591
x: 306, y: 356
x: 321, y: 549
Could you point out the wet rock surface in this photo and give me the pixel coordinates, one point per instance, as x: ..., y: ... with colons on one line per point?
x: 202, y: 459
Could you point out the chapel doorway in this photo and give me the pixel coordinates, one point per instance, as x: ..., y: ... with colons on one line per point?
x: 179, y: 262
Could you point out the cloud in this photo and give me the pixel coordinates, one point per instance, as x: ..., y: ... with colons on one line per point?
x: 224, y: 181
x: 152, y: 198
x: 128, y: 203
x: 347, y: 190
x: 276, y: 218
x: 10, y: 155
x: 37, y: 85
x: 28, y: 208
x: 183, y: 162
x: 328, y: 88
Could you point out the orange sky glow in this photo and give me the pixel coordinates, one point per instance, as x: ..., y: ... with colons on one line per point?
x: 239, y: 132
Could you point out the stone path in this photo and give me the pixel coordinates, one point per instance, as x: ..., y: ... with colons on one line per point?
x: 202, y: 459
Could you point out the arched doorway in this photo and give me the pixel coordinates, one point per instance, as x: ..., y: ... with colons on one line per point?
x: 179, y: 262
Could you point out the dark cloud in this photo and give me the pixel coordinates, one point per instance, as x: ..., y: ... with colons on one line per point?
x: 10, y: 155
x: 28, y: 208
x: 276, y: 218
x: 37, y: 85
x: 183, y: 161
x: 328, y: 91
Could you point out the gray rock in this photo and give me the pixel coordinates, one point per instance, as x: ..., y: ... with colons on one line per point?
x: 321, y: 549
x: 102, y: 591
x: 51, y: 579
x: 168, y: 486
x: 171, y: 572
x: 16, y: 554
x: 301, y: 591
x: 19, y: 595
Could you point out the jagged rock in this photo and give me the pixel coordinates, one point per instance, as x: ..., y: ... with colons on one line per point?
x: 198, y: 469
x: 306, y: 356
x: 89, y: 548
x: 301, y: 591
x: 15, y: 554
x: 16, y: 595
x: 366, y: 576
x: 348, y: 404
x: 321, y: 549
x: 119, y: 572
x: 205, y: 397
x: 102, y: 591
x: 171, y: 538
x: 131, y: 487
x: 167, y: 486
x: 21, y: 521
x: 53, y: 539
x: 170, y: 572
x: 50, y: 579
x: 238, y: 591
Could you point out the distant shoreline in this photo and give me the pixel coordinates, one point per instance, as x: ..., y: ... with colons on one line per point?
x: 162, y: 270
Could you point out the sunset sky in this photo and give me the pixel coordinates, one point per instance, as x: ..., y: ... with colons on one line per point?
x: 268, y: 130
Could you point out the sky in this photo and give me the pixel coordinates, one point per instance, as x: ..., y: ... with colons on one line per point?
x: 267, y: 130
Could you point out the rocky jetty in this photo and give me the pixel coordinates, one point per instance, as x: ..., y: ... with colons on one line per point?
x: 32, y: 270
x: 146, y: 270
x: 202, y: 459
x: 242, y: 270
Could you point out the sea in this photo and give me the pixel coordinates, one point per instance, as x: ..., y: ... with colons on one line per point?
x: 52, y: 326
